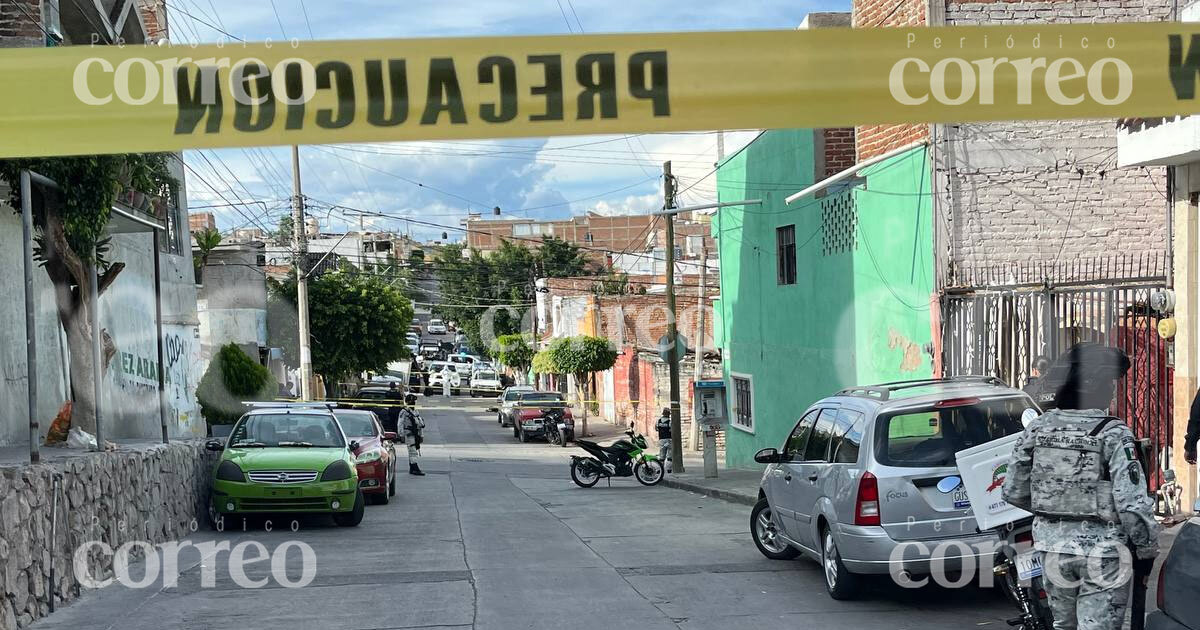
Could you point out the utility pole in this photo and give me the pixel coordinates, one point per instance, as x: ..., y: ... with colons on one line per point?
x: 301, y: 258
x: 698, y: 340
x: 672, y: 332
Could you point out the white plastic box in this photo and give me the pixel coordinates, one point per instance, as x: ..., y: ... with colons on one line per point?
x: 983, y: 469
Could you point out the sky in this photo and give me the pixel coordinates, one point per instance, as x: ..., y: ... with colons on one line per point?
x: 440, y: 182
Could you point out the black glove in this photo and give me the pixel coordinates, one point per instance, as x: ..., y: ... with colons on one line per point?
x: 1189, y: 455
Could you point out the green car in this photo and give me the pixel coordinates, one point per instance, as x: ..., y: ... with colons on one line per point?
x: 286, y: 458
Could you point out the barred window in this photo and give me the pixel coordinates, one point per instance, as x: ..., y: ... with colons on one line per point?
x: 785, y: 252
x: 743, y: 403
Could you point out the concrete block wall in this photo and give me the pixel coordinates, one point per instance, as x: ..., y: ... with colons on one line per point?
x: 1017, y: 192
x: 153, y: 494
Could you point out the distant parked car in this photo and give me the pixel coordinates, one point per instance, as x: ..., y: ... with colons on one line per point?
x: 415, y: 329
x: 436, y: 327
x: 872, y: 468
x: 375, y: 457
x: 484, y: 382
x: 1179, y: 583
x: 382, y: 401
x: 435, y: 377
x: 527, y: 416
x: 508, y: 403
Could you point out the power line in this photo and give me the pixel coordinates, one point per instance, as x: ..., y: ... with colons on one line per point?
x: 202, y: 21
x: 308, y: 24
x: 279, y: 20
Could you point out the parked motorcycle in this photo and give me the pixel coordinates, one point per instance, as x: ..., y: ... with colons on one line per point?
x: 1019, y: 567
x: 623, y: 458
x: 555, y: 427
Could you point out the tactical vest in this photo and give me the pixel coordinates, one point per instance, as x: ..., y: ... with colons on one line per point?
x: 1070, y: 476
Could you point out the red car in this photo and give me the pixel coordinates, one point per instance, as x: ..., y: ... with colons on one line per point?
x: 375, y: 454
x: 527, y: 415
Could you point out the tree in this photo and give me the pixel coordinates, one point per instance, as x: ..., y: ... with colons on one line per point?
x: 543, y: 363
x: 70, y: 222
x: 561, y: 259
x: 469, y: 284
x: 580, y: 357
x: 231, y: 378
x: 283, y: 322
x: 356, y: 321
x: 613, y: 284
x: 284, y: 234
x: 206, y: 241
x: 515, y: 353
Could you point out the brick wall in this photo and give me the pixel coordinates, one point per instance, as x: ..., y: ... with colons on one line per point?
x: 873, y: 140
x: 154, y: 16
x: 20, y: 22
x: 839, y: 150
x: 1038, y: 191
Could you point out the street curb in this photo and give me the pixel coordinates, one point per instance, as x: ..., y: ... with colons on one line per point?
x: 731, y: 496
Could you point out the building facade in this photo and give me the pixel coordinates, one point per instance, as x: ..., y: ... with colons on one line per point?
x: 127, y: 308
x: 830, y: 291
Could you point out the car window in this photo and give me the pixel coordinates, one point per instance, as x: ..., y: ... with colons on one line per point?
x: 847, y: 436
x: 931, y: 436
x: 357, y: 424
x: 794, y: 448
x: 292, y: 429
x: 540, y: 397
x: 819, y: 438
x: 372, y: 395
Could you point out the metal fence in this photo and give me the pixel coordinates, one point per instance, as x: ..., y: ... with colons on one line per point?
x: 1002, y: 330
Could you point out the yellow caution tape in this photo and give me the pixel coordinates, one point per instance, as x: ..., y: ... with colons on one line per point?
x: 109, y: 99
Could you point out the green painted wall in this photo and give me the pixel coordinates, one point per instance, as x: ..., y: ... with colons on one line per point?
x: 857, y: 314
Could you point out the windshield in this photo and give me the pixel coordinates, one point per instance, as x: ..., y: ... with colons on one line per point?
x: 286, y: 430
x: 535, y: 397
x: 357, y: 423
x: 930, y: 437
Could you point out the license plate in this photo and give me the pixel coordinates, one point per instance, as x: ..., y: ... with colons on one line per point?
x: 1029, y: 565
x: 285, y: 492
x: 961, y: 500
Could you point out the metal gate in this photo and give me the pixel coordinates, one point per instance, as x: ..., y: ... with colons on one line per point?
x: 1001, y: 330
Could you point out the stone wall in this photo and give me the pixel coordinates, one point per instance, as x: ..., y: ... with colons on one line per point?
x: 153, y: 493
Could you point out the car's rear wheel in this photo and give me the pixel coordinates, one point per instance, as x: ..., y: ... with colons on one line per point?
x: 392, y: 484
x: 766, y: 533
x: 355, y: 516
x: 840, y: 583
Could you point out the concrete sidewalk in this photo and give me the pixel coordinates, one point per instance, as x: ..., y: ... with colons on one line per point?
x: 731, y: 484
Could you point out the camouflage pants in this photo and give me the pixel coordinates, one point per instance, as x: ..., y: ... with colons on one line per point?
x: 413, y: 452
x: 1085, y: 599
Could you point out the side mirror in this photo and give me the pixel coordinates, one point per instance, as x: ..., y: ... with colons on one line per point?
x: 353, y: 446
x: 391, y: 436
x: 214, y: 445
x: 768, y: 456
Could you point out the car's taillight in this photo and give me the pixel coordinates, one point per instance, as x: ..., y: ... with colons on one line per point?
x: 1162, y: 587
x: 1024, y: 537
x: 866, y: 507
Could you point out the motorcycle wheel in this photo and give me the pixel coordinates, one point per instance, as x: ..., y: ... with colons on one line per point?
x: 584, y: 478
x: 648, y: 472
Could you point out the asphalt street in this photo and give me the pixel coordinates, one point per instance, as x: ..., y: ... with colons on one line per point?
x: 497, y: 537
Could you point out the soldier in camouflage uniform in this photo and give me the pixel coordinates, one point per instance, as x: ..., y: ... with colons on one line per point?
x: 1076, y: 469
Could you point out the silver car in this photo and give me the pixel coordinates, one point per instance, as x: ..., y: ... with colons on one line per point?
x: 508, y: 403
x: 866, y: 481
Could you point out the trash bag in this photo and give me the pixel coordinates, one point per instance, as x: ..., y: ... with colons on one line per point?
x: 78, y: 438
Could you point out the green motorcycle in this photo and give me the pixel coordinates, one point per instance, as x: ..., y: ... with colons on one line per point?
x: 623, y: 458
